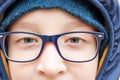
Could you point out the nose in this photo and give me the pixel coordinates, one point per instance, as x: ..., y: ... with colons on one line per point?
x: 50, y: 63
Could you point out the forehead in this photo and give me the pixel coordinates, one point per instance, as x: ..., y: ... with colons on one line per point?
x: 51, y: 19
x: 54, y: 13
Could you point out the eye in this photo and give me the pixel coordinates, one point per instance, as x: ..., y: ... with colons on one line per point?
x: 28, y: 40
x: 74, y: 40
x: 73, y: 43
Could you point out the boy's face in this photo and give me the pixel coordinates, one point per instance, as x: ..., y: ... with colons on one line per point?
x: 50, y: 66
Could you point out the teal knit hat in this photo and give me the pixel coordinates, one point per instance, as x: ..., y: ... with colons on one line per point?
x: 79, y: 8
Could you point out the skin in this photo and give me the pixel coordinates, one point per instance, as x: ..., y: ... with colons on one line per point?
x: 50, y: 66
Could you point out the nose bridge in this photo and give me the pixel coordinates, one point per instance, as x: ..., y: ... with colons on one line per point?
x: 50, y: 62
x: 49, y: 48
x: 50, y: 51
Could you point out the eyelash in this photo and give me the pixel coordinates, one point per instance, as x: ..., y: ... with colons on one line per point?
x: 74, y: 39
x: 22, y: 40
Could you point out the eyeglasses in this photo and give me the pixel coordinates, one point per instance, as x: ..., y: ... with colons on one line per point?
x: 78, y: 46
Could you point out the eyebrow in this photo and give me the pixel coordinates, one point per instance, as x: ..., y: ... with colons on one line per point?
x: 32, y: 27
x: 73, y: 25
x: 24, y: 25
x: 76, y: 25
x: 27, y: 24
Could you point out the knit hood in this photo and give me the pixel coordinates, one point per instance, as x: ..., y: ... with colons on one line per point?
x: 109, y: 10
x: 81, y: 9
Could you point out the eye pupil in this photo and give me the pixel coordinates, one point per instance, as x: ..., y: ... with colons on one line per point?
x: 74, y: 40
x: 28, y: 40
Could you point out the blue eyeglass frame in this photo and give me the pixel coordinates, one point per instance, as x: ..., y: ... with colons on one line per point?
x: 51, y: 38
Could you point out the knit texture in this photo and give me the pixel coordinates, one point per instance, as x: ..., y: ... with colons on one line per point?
x: 79, y: 8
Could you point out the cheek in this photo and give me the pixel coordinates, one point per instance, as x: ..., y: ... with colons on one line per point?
x: 84, y: 71
x: 75, y: 71
x: 21, y: 71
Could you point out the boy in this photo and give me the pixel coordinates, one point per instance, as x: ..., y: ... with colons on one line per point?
x: 47, y: 40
